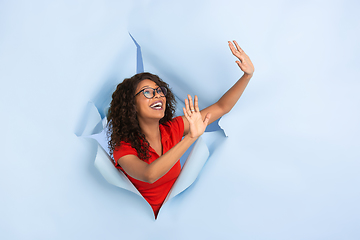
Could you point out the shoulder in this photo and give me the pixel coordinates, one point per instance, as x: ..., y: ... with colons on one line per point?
x: 174, y: 127
x: 176, y: 122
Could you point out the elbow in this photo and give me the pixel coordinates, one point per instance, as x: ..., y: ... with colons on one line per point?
x: 150, y: 180
x: 226, y: 108
x: 150, y: 177
x: 223, y: 109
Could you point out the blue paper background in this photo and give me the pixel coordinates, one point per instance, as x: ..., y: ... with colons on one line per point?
x: 288, y: 170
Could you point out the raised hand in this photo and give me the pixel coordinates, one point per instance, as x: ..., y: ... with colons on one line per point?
x: 244, y: 62
x: 192, y: 113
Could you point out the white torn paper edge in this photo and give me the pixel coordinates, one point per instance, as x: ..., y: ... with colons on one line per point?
x: 192, y: 167
x: 96, y: 127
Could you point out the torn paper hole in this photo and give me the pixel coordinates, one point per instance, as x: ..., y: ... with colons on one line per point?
x: 196, y: 156
x: 190, y: 169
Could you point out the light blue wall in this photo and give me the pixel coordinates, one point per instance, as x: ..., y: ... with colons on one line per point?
x: 288, y: 170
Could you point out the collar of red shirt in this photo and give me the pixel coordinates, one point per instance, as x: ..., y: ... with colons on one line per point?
x: 164, y: 134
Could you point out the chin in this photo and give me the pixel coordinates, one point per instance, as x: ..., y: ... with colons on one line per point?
x: 162, y: 116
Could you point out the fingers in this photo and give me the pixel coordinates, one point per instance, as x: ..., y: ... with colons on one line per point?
x: 238, y: 47
x: 237, y: 52
x: 191, y: 104
x: 196, y: 104
x: 207, y: 118
x: 242, y: 59
x: 186, y: 114
x: 232, y: 48
x: 187, y: 108
x: 234, y: 51
x: 242, y: 65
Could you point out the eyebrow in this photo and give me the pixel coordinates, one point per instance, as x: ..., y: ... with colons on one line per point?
x: 147, y: 86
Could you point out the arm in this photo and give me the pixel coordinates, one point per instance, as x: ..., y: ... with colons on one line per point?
x: 229, y: 99
x: 150, y: 173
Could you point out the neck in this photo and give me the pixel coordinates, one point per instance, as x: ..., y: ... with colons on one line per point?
x: 150, y: 129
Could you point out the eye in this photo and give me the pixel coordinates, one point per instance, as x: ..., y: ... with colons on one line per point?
x: 161, y: 91
x: 148, y: 93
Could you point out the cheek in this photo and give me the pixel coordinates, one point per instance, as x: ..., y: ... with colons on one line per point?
x: 140, y: 106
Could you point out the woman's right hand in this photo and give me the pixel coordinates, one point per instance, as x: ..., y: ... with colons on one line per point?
x: 192, y: 113
x: 244, y: 62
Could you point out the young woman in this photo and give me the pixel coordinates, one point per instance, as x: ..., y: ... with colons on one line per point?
x: 147, y: 142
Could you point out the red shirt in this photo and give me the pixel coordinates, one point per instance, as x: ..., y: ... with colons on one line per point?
x: 155, y: 193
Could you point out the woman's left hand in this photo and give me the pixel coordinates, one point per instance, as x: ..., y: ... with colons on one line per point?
x: 192, y: 114
x: 244, y: 62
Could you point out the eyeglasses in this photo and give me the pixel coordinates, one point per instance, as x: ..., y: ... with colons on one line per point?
x: 150, y: 92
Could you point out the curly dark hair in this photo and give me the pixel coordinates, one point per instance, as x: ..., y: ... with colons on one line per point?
x: 123, y: 124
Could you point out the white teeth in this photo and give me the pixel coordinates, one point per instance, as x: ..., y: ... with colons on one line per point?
x: 157, y: 105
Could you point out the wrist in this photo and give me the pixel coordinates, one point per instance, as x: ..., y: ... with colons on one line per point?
x: 247, y: 75
x: 188, y: 137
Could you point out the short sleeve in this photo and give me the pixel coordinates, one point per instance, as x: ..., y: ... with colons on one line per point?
x: 122, y: 150
x: 176, y: 126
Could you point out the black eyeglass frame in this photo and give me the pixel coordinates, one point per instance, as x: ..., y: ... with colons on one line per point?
x: 160, y: 90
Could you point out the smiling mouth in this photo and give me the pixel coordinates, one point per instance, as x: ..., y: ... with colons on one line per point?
x: 157, y: 105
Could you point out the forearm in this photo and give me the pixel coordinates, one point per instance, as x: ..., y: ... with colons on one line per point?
x: 229, y: 99
x: 163, y: 164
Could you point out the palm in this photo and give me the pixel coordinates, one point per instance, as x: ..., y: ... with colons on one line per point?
x: 197, y: 125
x: 244, y: 62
